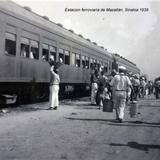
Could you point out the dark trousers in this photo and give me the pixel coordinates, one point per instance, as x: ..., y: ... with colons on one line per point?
x: 135, y: 93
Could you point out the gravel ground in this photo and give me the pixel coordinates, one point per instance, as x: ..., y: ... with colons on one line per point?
x: 79, y: 131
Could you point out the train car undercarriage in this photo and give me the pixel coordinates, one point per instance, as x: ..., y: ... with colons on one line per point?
x: 25, y: 93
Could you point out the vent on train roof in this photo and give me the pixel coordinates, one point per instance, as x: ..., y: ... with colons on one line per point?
x: 80, y: 35
x: 27, y: 8
x: 88, y: 39
x: 59, y: 24
x: 102, y: 47
x: 45, y: 17
x: 117, y: 54
x: 124, y: 58
x: 95, y: 43
x: 71, y: 30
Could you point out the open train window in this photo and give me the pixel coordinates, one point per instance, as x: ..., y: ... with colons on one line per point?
x: 98, y: 65
x: 102, y: 66
x: 10, y: 43
x: 106, y: 67
x: 73, y: 59
x: 91, y: 64
x: 52, y: 52
x: 24, y: 47
x: 87, y: 62
x: 61, y: 55
x: 45, y: 52
x: 95, y: 64
x: 77, y: 60
x: 67, y: 57
x: 34, y: 53
x: 110, y: 66
x: 83, y: 62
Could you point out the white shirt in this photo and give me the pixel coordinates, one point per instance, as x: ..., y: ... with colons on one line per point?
x: 120, y: 82
x: 54, y: 78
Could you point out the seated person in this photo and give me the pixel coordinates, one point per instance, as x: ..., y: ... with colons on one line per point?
x: 23, y: 52
x: 44, y: 58
x: 31, y: 55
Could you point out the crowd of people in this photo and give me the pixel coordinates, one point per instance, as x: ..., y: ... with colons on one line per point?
x: 120, y: 87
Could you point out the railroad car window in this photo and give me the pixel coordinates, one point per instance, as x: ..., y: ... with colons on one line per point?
x: 106, y: 66
x: 10, y: 43
x: 53, y: 52
x: 87, y: 62
x: 83, y: 62
x: 91, y: 63
x: 73, y: 59
x: 77, y: 60
x: 24, y: 47
x: 101, y: 65
x: 67, y: 57
x: 98, y: 65
x: 34, y: 53
x: 45, y: 52
x: 95, y: 64
x: 61, y: 55
x: 110, y: 66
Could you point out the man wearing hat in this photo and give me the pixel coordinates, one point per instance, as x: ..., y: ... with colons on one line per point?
x: 54, y: 88
x: 120, y: 85
x: 136, y: 85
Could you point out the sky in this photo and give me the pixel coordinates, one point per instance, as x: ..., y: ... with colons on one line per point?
x: 134, y: 35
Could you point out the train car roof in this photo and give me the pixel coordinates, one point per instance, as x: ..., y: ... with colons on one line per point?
x: 25, y: 13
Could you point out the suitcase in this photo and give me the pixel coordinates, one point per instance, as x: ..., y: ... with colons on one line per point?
x: 133, y: 110
x: 107, y: 105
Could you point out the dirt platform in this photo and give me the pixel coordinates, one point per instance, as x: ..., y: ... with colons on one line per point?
x: 79, y: 131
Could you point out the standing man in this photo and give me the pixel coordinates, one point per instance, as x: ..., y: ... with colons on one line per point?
x: 101, y: 85
x: 94, y: 86
x: 157, y: 87
x: 54, y: 88
x: 143, y: 87
x: 120, y: 85
x: 136, y: 85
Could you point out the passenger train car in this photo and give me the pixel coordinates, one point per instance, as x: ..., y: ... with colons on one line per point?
x: 27, y: 40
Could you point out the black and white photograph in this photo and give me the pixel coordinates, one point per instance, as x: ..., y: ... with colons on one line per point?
x: 79, y: 79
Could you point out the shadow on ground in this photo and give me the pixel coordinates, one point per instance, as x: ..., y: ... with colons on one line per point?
x: 116, y: 123
x: 135, y: 145
x: 20, y: 109
x: 137, y: 124
x: 89, y: 119
x: 148, y: 106
x: 84, y: 106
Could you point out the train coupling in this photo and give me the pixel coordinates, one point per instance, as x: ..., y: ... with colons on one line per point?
x: 8, y: 99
